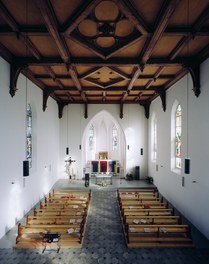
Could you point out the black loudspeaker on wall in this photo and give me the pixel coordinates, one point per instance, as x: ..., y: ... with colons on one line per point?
x: 187, y: 166
x: 26, y: 168
x: 137, y: 173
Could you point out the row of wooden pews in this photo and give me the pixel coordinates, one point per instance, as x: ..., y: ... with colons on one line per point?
x: 149, y: 221
x: 58, y: 223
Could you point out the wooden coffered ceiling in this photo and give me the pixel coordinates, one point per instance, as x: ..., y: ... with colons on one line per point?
x: 104, y: 52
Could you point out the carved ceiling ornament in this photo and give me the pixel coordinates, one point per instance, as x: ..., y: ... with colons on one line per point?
x: 106, y: 27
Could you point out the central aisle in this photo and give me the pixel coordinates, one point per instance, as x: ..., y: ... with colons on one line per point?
x: 104, y: 234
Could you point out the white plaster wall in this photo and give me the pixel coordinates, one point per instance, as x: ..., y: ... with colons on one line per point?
x: 191, y: 199
x: 17, y: 193
x: 133, y: 124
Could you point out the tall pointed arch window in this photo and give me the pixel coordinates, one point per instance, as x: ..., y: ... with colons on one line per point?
x: 29, y: 135
x: 91, y: 137
x: 154, y: 138
x: 178, y: 140
x: 114, y: 138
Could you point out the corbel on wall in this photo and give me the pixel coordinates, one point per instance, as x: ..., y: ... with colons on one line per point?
x: 61, y: 106
x: 46, y: 93
x: 195, y: 74
x: 162, y: 94
x: 146, y: 106
x: 15, y: 70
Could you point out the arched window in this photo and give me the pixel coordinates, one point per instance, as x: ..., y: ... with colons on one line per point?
x: 178, y: 142
x: 154, y: 138
x: 91, y: 137
x: 29, y: 135
x: 114, y: 138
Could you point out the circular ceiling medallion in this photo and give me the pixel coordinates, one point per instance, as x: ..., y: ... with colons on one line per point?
x: 105, y: 42
x: 88, y: 28
x: 106, y: 11
x: 124, y: 28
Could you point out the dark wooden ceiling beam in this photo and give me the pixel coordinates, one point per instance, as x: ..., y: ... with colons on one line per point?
x: 53, y: 76
x: 73, y: 74
x: 155, y: 77
x: 135, y: 76
x: 52, y: 26
x: 97, y: 62
x: 120, y: 73
x: 162, y: 21
x: 185, y: 39
x: 133, y: 15
x: 123, y: 75
x: 33, y: 30
x: 5, y: 14
x: 89, y: 72
x: 15, y: 28
x: 81, y: 13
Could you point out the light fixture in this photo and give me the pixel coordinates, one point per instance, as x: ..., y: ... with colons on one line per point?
x: 187, y: 160
x: 26, y: 162
x: 67, y: 148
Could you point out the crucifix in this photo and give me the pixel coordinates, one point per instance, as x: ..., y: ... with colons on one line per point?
x: 68, y: 166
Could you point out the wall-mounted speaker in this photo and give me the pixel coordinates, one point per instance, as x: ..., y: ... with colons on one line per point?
x: 67, y: 151
x: 26, y: 168
x: 141, y: 151
x: 187, y: 166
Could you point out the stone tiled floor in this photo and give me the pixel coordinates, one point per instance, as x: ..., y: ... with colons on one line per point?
x: 103, y: 241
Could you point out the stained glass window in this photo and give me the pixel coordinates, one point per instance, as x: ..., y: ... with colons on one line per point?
x: 114, y: 138
x: 178, y: 129
x: 155, y: 139
x: 91, y: 137
x: 29, y: 135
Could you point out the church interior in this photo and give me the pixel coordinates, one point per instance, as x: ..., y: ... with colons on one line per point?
x: 104, y: 131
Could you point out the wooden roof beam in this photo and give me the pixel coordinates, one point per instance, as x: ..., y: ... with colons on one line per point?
x: 81, y: 13
x: 164, y: 15
x: 52, y: 26
x: 135, y: 76
x: 53, y: 76
x: 76, y: 81
x: 130, y: 12
x: 185, y: 39
x: 15, y: 27
x: 156, y: 75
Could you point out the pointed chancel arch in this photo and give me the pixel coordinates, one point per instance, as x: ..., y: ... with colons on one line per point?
x: 103, y: 124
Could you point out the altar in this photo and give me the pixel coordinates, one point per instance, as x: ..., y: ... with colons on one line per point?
x: 104, y: 166
x: 102, y: 177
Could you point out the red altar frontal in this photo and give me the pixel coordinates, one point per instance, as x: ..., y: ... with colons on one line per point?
x: 104, y: 166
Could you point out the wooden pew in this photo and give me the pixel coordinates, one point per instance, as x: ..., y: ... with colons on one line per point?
x: 31, y: 236
x: 159, y: 236
x: 52, y: 219
x: 157, y: 219
x: 61, y: 218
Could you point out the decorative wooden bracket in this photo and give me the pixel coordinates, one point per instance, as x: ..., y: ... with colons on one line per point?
x: 46, y: 93
x: 15, y: 70
x: 121, y: 110
x: 60, y: 108
x: 162, y: 94
x: 195, y: 73
x: 146, y: 108
x: 86, y: 111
